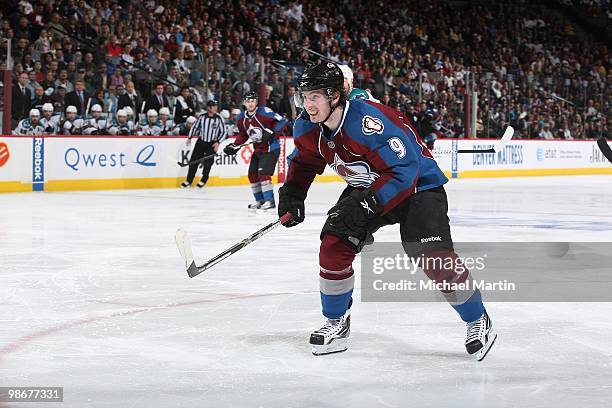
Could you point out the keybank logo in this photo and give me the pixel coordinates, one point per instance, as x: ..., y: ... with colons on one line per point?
x: 78, y: 160
x: 4, y: 154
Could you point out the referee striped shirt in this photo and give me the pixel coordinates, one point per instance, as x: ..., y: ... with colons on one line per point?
x: 209, y: 129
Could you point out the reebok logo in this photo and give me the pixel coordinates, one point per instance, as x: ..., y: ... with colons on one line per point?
x: 366, y: 207
x: 431, y: 239
x: 4, y: 154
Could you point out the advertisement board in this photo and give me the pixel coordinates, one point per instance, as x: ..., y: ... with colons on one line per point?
x: 55, y: 163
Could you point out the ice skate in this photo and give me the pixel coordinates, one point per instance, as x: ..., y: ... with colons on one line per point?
x: 185, y: 184
x: 333, y: 337
x: 480, y: 337
x: 266, y: 206
x: 255, y: 206
x: 201, y: 184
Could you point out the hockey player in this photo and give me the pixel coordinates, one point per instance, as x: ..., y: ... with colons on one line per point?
x: 428, y: 126
x: 260, y: 124
x: 30, y: 126
x: 94, y: 124
x: 152, y: 127
x: 354, y: 93
x: 165, y: 123
x: 185, y: 128
x: 392, y: 179
x: 50, y: 121
x: 72, y: 125
x: 121, y: 126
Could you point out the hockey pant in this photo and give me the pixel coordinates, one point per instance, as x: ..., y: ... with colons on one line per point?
x: 261, y: 169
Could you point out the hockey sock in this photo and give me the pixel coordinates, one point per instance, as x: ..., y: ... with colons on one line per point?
x: 336, y: 276
x: 267, y: 188
x: 444, y: 266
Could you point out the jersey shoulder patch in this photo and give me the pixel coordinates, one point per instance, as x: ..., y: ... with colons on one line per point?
x: 302, y: 126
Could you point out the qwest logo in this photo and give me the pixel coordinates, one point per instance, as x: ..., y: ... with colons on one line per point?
x: 77, y: 160
x: 4, y: 154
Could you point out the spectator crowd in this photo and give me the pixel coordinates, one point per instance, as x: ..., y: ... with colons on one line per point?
x: 151, y: 67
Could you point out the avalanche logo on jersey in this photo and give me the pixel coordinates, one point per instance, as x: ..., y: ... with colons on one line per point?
x: 254, y: 133
x: 356, y: 174
x: 371, y: 125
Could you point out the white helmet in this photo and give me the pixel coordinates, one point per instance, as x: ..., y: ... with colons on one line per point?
x: 152, y: 113
x: 225, y: 114
x: 191, y: 119
x: 34, y: 113
x: 164, y: 111
x: 96, y: 108
x: 121, y: 112
x: 71, y: 109
x: 47, y: 107
x: 128, y: 111
x: 347, y: 72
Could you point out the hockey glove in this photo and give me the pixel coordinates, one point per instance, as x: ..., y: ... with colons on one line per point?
x: 231, y: 149
x: 267, y: 135
x: 351, y: 216
x: 291, y: 200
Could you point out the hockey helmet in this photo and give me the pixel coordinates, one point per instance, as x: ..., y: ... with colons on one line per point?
x: 212, y: 102
x: 225, y: 114
x: 71, y: 109
x: 151, y: 113
x: 191, y: 119
x: 34, y: 113
x: 47, y: 107
x: 128, y: 111
x: 251, y: 95
x: 96, y: 108
x: 164, y: 111
x: 347, y: 72
x: 122, y: 113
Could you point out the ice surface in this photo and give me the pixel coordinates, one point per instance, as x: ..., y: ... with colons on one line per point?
x: 95, y: 298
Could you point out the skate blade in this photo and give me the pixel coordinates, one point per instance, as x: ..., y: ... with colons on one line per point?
x: 482, y: 353
x: 336, y: 346
x: 267, y: 211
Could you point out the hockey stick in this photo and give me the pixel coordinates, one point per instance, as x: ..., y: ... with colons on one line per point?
x: 605, y: 148
x: 183, y: 242
x: 210, y: 156
x: 498, y: 146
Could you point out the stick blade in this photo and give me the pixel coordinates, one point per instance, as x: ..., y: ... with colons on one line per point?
x: 505, y: 138
x: 183, y: 243
x: 605, y: 148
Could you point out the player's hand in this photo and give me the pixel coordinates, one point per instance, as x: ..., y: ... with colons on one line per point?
x: 231, y: 149
x: 291, y: 200
x: 215, y: 147
x: 352, y: 214
x: 188, y: 142
x: 267, y: 135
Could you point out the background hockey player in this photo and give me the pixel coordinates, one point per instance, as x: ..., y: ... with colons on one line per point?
x: 261, y: 125
x: 30, y: 126
x: 121, y: 125
x: 94, y: 124
x: 209, y: 130
x: 152, y: 127
x: 392, y: 179
x: 50, y: 120
x: 354, y: 93
x: 165, y: 123
x: 72, y: 125
x: 427, y: 125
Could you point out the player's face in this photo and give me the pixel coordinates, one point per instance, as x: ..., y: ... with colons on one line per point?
x: 122, y: 119
x: 163, y: 118
x: 34, y: 119
x: 48, y: 114
x: 96, y: 114
x: 316, y: 105
x: 251, y: 105
x: 71, y: 116
x: 152, y: 120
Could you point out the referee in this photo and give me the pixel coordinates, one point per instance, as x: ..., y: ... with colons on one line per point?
x: 210, y: 131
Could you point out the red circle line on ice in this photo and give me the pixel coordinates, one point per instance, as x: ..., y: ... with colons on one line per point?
x: 22, y: 341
